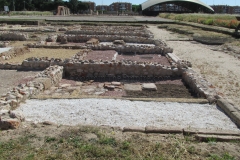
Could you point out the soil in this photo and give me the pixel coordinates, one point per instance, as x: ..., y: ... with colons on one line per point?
x: 163, y: 91
x: 144, y: 58
x: 106, y: 55
x: 50, y: 53
x: 11, y: 78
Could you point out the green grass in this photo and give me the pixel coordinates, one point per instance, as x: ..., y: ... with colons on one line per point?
x: 222, y: 20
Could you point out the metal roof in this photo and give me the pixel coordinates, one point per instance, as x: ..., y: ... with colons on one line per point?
x: 150, y: 3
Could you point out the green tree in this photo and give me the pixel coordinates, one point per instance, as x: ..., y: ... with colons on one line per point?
x: 5, y: 3
x: 73, y: 5
x: 83, y: 6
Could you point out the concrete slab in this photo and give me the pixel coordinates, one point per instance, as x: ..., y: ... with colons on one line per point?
x: 149, y: 86
x: 132, y: 87
x: 162, y: 116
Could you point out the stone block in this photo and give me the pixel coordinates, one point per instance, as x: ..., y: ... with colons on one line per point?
x: 191, y: 131
x: 18, y: 115
x: 45, y: 81
x: 133, y: 129
x: 149, y: 86
x: 225, y: 106
x: 132, y: 87
x: 206, y: 138
x: 163, y: 130
x: 9, y: 124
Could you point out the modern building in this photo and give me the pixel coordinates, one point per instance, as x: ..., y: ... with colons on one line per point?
x: 154, y: 7
x: 102, y: 8
x: 226, y: 9
x: 120, y: 6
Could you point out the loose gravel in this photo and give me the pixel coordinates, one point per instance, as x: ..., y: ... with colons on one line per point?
x: 124, y: 113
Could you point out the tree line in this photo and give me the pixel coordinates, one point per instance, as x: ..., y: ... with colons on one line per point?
x: 42, y: 5
x: 49, y: 5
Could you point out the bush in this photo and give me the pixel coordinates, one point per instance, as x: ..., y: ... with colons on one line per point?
x: 208, y: 21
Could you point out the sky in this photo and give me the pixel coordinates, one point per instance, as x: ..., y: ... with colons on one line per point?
x: 208, y: 2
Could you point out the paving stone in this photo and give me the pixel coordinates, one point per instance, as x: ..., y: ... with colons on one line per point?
x: 149, y: 86
x: 64, y: 85
x: 152, y: 129
x: 132, y: 87
x: 116, y: 83
x: 217, y: 138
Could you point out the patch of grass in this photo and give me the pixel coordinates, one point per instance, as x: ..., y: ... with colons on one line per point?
x: 50, y: 139
x: 225, y: 156
x: 73, y: 144
x: 108, y: 140
x: 211, y: 140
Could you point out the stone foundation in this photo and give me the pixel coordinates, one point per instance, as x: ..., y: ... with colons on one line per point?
x: 13, y: 36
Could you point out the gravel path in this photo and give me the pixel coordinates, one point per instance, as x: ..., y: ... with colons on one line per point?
x: 126, y: 113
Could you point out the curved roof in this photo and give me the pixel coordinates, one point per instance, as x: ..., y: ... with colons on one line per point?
x: 150, y: 3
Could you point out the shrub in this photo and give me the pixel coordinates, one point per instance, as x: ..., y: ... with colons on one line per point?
x: 208, y: 21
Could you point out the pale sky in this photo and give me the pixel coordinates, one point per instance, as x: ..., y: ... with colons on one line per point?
x: 208, y: 2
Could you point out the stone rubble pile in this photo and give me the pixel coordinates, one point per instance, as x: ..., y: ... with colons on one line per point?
x: 44, y: 80
x: 13, y: 36
x: 14, y: 52
x: 4, y: 44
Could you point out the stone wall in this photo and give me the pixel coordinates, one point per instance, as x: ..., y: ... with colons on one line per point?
x: 160, y: 48
x: 200, y: 85
x: 10, y: 119
x: 113, y: 32
x: 121, y: 70
x: 106, y: 38
x: 13, y: 36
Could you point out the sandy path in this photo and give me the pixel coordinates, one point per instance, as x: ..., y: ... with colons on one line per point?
x: 126, y: 113
x: 219, y: 68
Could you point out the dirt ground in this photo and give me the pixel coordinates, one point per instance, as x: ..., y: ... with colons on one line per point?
x: 163, y: 91
x: 11, y: 78
x: 218, y: 64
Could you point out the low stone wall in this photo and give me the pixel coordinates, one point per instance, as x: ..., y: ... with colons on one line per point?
x: 44, y: 80
x: 14, y: 52
x: 81, y: 70
x: 199, y: 85
x: 13, y: 36
x: 113, y: 28
x: 125, y: 49
x: 106, y: 38
x: 29, y: 30
x: 106, y: 32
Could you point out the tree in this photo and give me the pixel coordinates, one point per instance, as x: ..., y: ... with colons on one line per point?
x: 73, y: 5
x: 5, y: 3
x: 82, y: 6
x: 136, y: 8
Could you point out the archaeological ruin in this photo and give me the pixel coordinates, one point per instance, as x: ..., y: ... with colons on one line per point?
x: 114, y: 61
